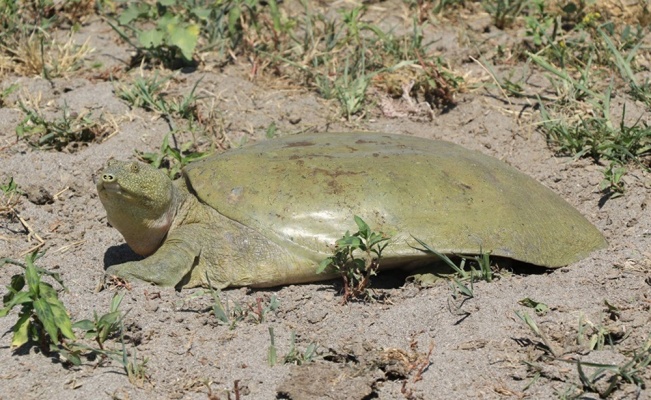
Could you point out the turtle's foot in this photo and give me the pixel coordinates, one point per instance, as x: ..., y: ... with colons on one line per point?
x: 120, y: 274
x: 158, y: 272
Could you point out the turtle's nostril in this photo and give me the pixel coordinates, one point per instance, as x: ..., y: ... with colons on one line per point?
x: 108, y: 178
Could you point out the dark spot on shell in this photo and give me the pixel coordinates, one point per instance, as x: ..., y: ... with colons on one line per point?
x: 362, y: 141
x: 309, y: 156
x: 304, y: 143
x: 335, y: 187
x: 376, y: 154
x: 333, y: 174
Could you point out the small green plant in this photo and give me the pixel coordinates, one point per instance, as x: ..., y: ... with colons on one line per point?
x: 595, y: 336
x: 538, y: 24
x: 173, y: 36
x: 589, y: 130
x: 612, y: 182
x: 504, y: 12
x: 4, y: 94
x: 640, y: 91
x: 602, y: 379
x: 136, y: 369
x: 42, y: 319
x: 482, y: 261
x: 102, y: 327
x: 424, y: 7
x: 632, y: 371
x: 10, y: 187
x: 147, y: 92
x: 66, y: 132
x: 355, y: 271
x: 173, y: 157
x: 293, y: 356
x: 351, y: 88
x: 598, y: 137
x: 255, y: 312
x: 531, y: 323
x: 464, y: 276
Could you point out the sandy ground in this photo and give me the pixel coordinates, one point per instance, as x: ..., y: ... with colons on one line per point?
x: 479, y: 348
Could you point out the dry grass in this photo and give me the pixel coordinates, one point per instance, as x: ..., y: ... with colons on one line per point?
x: 40, y: 54
x: 8, y: 202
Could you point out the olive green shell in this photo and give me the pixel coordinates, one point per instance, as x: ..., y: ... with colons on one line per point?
x: 304, y: 190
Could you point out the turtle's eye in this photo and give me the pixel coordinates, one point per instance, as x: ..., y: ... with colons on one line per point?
x: 135, y: 167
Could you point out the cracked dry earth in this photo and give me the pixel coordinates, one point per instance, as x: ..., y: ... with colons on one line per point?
x: 417, y: 343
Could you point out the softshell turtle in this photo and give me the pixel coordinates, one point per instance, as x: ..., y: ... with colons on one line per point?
x: 267, y: 214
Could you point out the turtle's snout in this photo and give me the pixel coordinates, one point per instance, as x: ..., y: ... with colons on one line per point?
x: 108, y: 178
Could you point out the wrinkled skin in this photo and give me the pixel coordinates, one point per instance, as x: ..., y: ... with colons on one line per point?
x: 267, y: 214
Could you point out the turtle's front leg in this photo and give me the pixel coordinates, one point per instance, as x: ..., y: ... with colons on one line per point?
x: 168, y: 266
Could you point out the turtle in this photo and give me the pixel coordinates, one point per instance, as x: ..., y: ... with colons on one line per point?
x: 267, y: 214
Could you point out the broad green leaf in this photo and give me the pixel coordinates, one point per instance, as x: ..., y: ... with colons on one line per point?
x: 110, y: 318
x: 46, y: 291
x: 21, y: 330
x: 167, y: 3
x: 116, y: 301
x: 32, y: 278
x: 167, y: 22
x: 61, y: 318
x: 185, y: 38
x: 70, y: 356
x: 201, y: 13
x: 363, y: 227
x: 130, y: 14
x: 84, y: 325
x: 376, y: 239
x: 46, y: 317
x: 150, y: 39
x: 349, y: 241
x: 90, y: 335
x: 324, y: 264
x: 18, y: 298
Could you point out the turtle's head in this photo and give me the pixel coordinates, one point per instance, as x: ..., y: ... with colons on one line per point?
x: 140, y: 202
